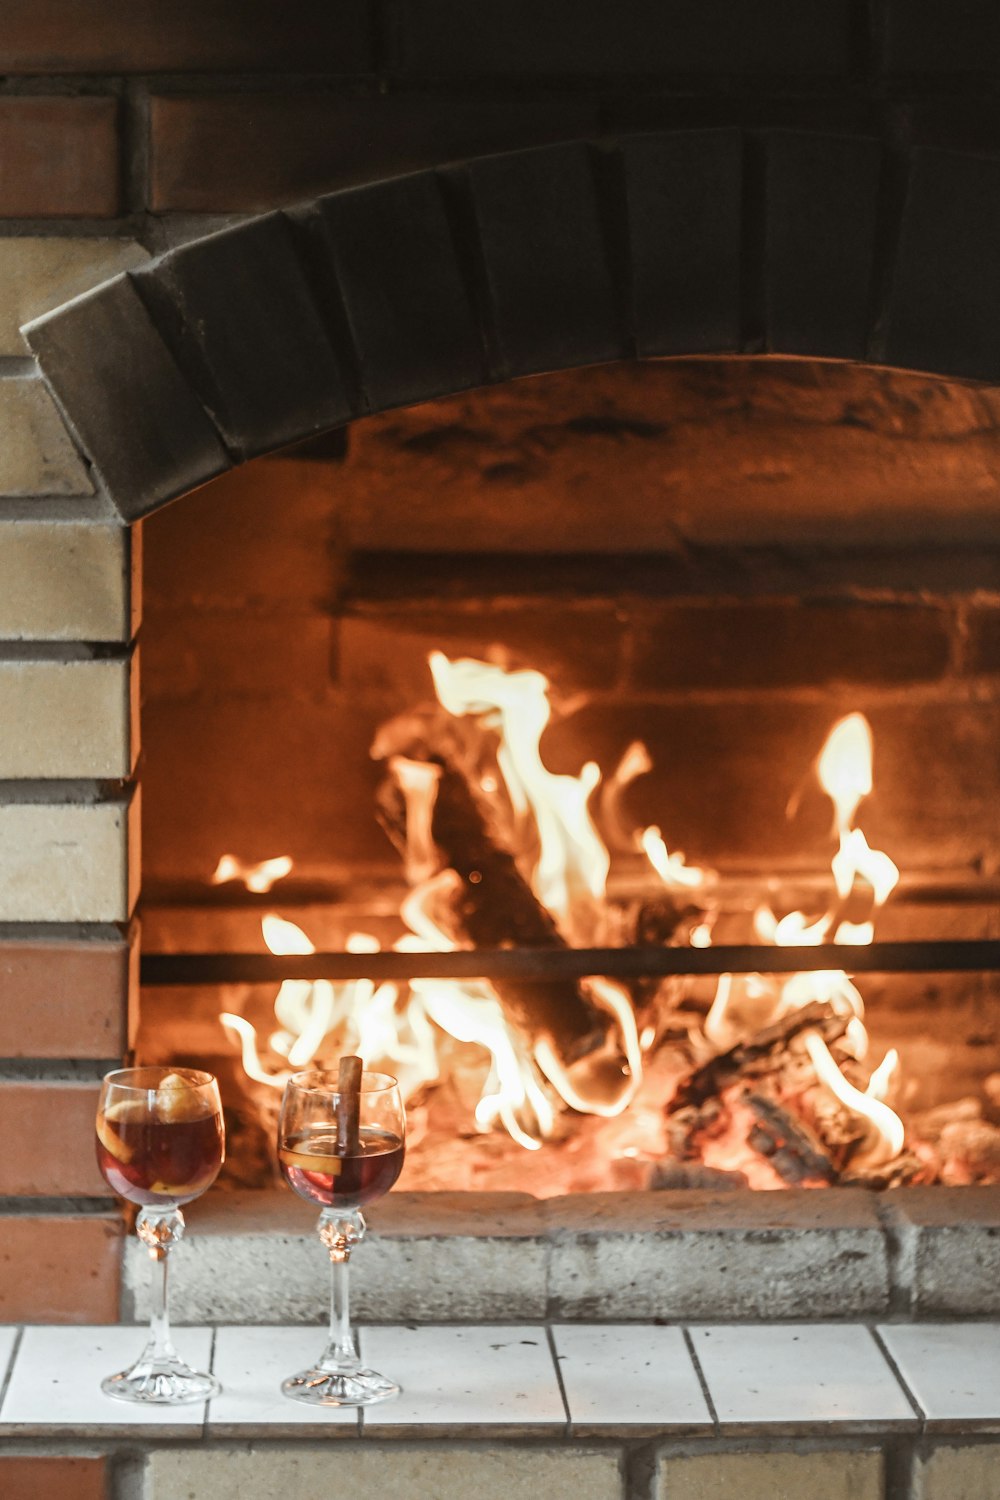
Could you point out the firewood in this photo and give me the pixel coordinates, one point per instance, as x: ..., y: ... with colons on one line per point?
x: 495, y: 907
x: 793, y: 1150
x: 713, y: 1076
x: 349, y: 1106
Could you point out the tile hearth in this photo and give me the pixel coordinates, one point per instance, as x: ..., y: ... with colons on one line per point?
x: 634, y: 1411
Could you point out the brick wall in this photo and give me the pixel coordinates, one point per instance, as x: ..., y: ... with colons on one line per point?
x: 125, y: 132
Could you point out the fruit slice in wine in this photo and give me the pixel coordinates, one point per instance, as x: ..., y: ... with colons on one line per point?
x: 310, y: 1165
x: 155, y: 1162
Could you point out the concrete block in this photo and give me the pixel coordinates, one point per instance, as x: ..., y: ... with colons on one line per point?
x: 950, y: 1238
x: 772, y: 1476
x: 67, y: 581
x: 687, y: 1254
x: 432, y: 1471
x: 38, y: 273
x: 254, y: 1258
x: 67, y: 719
x: 959, y: 1473
x: 36, y: 455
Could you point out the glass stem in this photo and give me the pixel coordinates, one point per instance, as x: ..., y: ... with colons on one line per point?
x: 158, y: 1232
x: 340, y: 1232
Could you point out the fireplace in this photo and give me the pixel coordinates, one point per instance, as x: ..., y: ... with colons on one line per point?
x: 811, y: 525
x: 295, y: 636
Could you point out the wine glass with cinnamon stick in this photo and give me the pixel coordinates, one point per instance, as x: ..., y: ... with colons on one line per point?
x: 341, y: 1140
x: 160, y: 1144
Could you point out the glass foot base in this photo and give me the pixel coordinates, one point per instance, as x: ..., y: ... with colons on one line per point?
x: 161, y: 1383
x: 318, y: 1387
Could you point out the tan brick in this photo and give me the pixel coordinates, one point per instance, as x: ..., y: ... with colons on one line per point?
x: 64, y: 998
x: 67, y: 863
x: 38, y: 273
x: 38, y: 1478
x: 48, y: 1133
x: 959, y: 1474
x: 772, y: 1476
x: 60, y: 1268
x: 67, y: 581
x: 425, y: 1473
x: 66, y: 719
x: 36, y: 454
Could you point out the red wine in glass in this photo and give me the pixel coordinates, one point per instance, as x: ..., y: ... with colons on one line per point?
x: 311, y: 1167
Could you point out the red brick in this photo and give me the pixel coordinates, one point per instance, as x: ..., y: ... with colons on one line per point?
x: 58, y: 157
x: 789, y: 645
x: 60, y: 1268
x: 241, y: 152
x: 48, y: 1133
x: 63, y: 998
x: 97, y: 36
x: 576, y: 647
x: 984, y: 641
x: 69, y: 1478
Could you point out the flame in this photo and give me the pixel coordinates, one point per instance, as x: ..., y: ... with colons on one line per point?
x: 845, y: 771
x: 670, y: 867
x: 572, y: 868
x: 258, y: 877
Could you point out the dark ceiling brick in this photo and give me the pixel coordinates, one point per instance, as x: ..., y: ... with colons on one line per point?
x: 683, y: 195
x: 58, y: 156
x: 594, y: 38
x: 943, y: 311
x: 105, y: 36
x: 554, y: 302
x: 405, y: 296
x: 822, y: 200
x: 926, y: 37
x: 249, y: 151
x: 237, y: 312
x: 137, y: 417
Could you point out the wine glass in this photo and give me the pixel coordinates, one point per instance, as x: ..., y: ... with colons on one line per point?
x: 160, y: 1144
x: 340, y: 1144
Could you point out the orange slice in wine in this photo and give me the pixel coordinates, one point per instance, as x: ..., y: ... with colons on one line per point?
x: 117, y: 1114
x: 306, y: 1161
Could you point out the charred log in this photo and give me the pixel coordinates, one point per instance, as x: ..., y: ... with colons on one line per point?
x: 794, y: 1151
x: 495, y: 906
x: 754, y: 1055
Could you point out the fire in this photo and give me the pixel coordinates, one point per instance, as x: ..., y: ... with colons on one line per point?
x: 397, y: 1026
x: 528, y: 1077
x: 844, y: 769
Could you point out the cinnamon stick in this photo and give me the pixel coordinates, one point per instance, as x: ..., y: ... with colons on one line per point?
x: 349, y: 1106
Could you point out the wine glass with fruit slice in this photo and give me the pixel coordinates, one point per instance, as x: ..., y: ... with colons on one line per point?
x: 160, y: 1144
x: 341, y: 1141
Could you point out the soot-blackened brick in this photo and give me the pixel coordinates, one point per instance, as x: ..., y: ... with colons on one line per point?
x: 944, y: 309
x: 551, y: 287
x: 243, y: 152
x: 139, y: 420
x: 104, y: 36
x: 595, y: 38
x: 683, y: 194
x: 237, y: 312
x: 822, y: 196
x: 405, y: 295
x: 926, y: 37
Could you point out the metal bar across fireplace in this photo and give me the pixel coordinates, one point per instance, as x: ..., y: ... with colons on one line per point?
x: 923, y: 957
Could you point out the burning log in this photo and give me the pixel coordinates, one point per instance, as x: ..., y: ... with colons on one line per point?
x: 795, y: 1153
x: 495, y: 906
x: 713, y: 1076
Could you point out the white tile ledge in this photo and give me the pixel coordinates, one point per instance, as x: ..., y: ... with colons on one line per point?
x: 557, y: 1381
